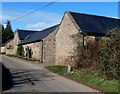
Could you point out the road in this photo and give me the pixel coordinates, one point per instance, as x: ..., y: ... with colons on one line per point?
x: 29, y: 77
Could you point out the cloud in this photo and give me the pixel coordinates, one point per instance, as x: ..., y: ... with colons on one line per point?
x: 38, y: 26
x: 5, y: 17
x: 37, y: 16
x: 4, y: 25
x: 36, y: 21
x: 116, y: 17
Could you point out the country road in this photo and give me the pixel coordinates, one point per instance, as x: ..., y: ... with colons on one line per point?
x: 29, y: 77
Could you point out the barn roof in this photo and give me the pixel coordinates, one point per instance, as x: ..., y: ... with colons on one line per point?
x: 38, y: 36
x: 8, y: 41
x: 24, y: 33
x: 95, y: 25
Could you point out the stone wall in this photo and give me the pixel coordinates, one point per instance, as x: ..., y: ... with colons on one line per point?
x: 64, y: 42
x: 49, y: 48
x: 16, y: 41
x: 36, y: 49
x: 43, y: 50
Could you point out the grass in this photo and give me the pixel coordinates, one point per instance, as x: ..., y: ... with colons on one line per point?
x: 10, y: 55
x: 88, y: 77
x: 31, y: 59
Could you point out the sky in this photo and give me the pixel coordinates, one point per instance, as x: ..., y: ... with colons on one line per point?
x: 51, y: 15
x: 60, y: 0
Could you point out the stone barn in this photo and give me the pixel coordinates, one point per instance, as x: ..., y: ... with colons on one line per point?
x: 41, y: 45
x: 73, y: 23
x: 19, y: 36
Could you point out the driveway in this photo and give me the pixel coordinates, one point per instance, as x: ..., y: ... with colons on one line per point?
x: 30, y: 77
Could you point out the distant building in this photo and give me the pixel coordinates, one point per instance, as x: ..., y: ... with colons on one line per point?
x: 2, y: 48
x: 9, y: 46
x: 20, y: 35
x: 41, y: 45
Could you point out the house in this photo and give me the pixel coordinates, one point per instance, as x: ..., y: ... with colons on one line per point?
x: 41, y: 45
x: 73, y: 23
x: 9, y: 46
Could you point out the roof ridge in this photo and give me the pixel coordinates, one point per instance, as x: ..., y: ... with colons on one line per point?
x: 41, y: 34
x: 47, y: 28
x: 27, y: 30
x: 95, y: 15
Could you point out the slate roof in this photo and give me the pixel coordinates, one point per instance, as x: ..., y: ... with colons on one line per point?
x: 38, y: 36
x: 3, y: 45
x: 95, y: 25
x: 24, y: 33
x: 8, y: 41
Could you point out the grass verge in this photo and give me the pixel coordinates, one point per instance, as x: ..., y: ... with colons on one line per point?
x: 88, y: 77
x: 31, y: 59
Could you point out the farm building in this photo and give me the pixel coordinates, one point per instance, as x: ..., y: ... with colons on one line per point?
x: 41, y: 45
x: 20, y: 35
x: 55, y: 44
x: 73, y: 23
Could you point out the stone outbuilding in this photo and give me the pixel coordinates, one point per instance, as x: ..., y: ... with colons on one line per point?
x: 73, y: 23
x: 19, y: 36
x: 41, y: 45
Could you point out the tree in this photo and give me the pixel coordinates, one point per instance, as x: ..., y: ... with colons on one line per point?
x: 20, y: 50
x: 1, y: 28
x: 86, y: 52
x: 7, y: 33
x: 110, y: 55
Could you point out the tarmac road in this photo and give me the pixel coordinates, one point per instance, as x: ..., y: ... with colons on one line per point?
x: 29, y: 77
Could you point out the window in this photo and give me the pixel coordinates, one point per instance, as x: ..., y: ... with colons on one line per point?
x: 97, y: 38
x: 10, y: 47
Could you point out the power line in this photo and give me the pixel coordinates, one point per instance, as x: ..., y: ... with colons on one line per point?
x: 33, y: 11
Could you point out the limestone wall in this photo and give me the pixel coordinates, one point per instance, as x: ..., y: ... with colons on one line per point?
x: 43, y: 50
x: 64, y: 43
x: 36, y: 49
x: 49, y: 48
x: 16, y: 41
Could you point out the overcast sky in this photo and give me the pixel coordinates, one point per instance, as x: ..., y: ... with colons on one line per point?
x: 52, y: 14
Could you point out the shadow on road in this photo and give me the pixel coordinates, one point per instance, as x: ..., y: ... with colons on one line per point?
x: 18, y: 78
x: 7, y: 82
x: 23, y: 76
